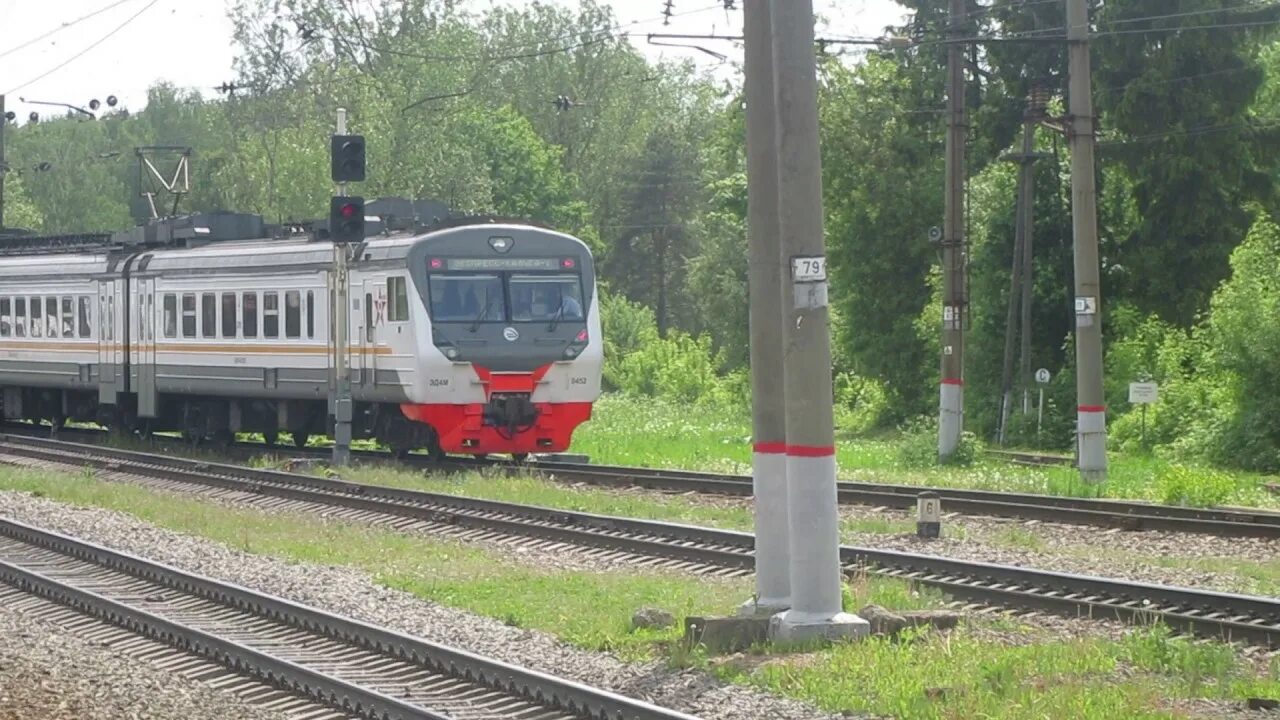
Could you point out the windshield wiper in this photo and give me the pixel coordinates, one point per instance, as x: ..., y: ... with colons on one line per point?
x: 555, y: 319
x: 484, y: 312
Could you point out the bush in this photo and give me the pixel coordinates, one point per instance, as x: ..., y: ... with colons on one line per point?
x: 919, y: 448
x: 1181, y: 485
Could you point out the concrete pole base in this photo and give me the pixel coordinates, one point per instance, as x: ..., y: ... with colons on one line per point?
x: 794, y: 626
x: 1092, y: 424
x: 950, y: 418
x: 763, y: 607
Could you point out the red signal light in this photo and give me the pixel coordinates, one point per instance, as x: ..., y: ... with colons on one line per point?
x: 436, y: 263
x: 348, y: 210
x: 568, y: 263
x: 582, y: 336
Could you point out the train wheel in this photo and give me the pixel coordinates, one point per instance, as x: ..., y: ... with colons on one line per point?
x: 300, y: 440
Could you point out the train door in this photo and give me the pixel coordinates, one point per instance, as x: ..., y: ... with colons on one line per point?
x: 142, y: 346
x: 110, y: 380
x: 369, y: 319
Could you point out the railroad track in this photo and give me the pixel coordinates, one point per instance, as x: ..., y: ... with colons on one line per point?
x: 322, y: 660
x: 1249, y: 619
x: 1119, y: 514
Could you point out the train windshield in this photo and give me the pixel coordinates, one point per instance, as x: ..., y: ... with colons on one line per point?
x: 541, y: 298
x: 467, y: 298
x: 506, y: 297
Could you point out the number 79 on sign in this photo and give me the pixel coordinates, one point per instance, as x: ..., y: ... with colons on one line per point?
x: 809, y: 269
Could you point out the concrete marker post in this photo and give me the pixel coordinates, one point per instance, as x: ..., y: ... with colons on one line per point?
x: 765, y: 286
x: 816, y: 578
x: 929, y: 515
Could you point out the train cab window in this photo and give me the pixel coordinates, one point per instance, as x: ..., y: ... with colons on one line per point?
x: 293, y: 314
x: 20, y: 317
x: 311, y: 314
x: 86, y: 317
x: 68, y: 317
x: 228, y: 315
x: 467, y: 298
x: 171, y: 315
x: 249, y: 305
x: 270, y: 315
x: 208, y: 316
x: 544, y: 298
x: 398, y: 300
x: 6, y: 321
x: 37, y: 318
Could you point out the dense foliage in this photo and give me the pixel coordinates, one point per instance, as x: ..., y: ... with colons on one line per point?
x: 648, y: 166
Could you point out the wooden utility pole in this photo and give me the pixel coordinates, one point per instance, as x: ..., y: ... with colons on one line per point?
x: 954, y: 256
x: 1091, y: 417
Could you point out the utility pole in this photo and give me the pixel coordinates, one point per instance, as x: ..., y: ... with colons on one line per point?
x: 811, y: 462
x: 4, y: 169
x: 1091, y: 417
x: 954, y: 257
x: 342, y: 410
x: 767, y: 317
x: 1021, y: 280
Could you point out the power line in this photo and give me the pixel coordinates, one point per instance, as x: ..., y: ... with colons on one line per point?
x: 1172, y: 16
x: 62, y: 27
x: 83, y: 52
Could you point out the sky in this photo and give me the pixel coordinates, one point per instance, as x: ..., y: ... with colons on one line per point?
x: 131, y: 44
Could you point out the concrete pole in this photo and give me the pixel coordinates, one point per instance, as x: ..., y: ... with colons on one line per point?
x: 1091, y: 418
x: 811, y: 463
x: 954, y: 293
x: 1011, y: 320
x: 342, y: 410
x: 1028, y: 204
x: 3, y: 171
x: 768, y: 401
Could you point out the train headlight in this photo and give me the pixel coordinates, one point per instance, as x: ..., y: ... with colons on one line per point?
x: 451, y: 353
x: 571, y: 352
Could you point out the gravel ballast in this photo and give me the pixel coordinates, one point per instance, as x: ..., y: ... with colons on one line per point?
x: 48, y: 673
x: 353, y: 594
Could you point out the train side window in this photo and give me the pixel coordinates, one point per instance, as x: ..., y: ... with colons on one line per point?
x: 311, y: 314
x: 188, y: 315
x: 68, y: 317
x: 270, y: 315
x: 51, y: 315
x: 292, y: 314
x: 6, y: 322
x: 86, y: 318
x: 170, y: 315
x: 150, y: 329
x: 37, y: 318
x: 20, y: 317
x: 228, y: 315
x: 398, y: 294
x: 208, y: 315
x: 249, y: 306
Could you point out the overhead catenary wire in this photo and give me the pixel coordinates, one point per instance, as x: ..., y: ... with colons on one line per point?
x: 63, y: 26
x: 85, y: 51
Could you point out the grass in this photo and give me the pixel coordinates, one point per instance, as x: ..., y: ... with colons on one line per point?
x: 1026, y: 673
x: 652, y: 433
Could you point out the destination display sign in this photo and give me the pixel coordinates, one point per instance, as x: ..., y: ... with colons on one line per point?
x: 497, y: 264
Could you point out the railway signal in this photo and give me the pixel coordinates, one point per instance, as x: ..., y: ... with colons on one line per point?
x: 347, y: 158
x: 346, y: 219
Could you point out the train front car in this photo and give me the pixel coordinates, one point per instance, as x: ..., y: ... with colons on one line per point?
x: 512, y: 359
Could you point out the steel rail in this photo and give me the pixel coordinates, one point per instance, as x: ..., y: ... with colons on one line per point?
x: 414, y: 666
x: 1118, y: 514
x: 1229, y: 616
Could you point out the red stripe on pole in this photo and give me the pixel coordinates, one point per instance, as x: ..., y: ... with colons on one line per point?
x: 810, y: 451
x: 1092, y: 408
x: 952, y: 381
x: 770, y: 448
